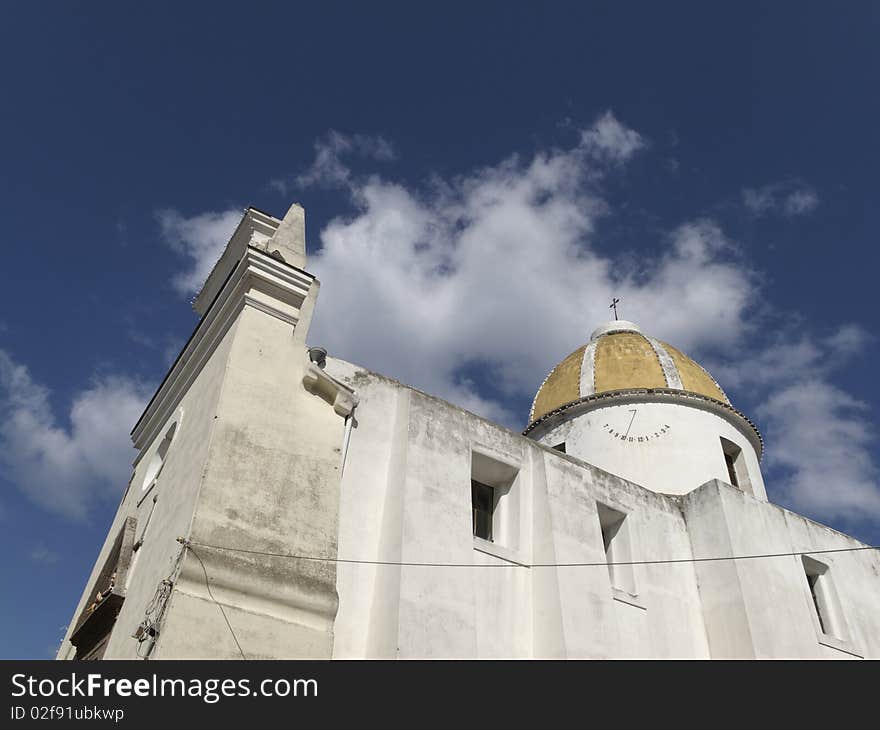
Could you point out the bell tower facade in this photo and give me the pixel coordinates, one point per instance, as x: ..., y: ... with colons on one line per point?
x: 240, y: 448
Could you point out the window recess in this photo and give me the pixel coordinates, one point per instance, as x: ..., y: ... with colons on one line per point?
x: 495, y: 500
x: 734, y: 461
x: 826, y: 607
x: 617, y: 542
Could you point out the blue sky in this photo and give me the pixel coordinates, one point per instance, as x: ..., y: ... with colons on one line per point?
x: 484, y: 176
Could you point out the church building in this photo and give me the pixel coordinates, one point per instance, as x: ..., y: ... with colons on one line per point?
x: 285, y: 503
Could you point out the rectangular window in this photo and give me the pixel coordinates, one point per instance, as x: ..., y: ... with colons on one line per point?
x: 825, y: 605
x: 734, y: 460
x: 618, y: 548
x: 495, y: 499
x: 482, y: 502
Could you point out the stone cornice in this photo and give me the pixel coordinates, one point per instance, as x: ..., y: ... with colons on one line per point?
x: 258, y: 280
x: 254, y: 227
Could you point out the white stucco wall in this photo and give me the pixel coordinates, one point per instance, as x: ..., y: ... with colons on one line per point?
x: 762, y: 608
x: 405, y: 497
x: 254, y: 464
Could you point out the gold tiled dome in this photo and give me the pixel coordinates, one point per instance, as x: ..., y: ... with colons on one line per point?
x: 620, y: 357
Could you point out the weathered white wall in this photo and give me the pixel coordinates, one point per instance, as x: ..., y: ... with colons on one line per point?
x: 405, y: 497
x: 687, y: 455
x: 271, y: 484
x: 762, y: 608
x: 255, y: 464
x: 176, y: 490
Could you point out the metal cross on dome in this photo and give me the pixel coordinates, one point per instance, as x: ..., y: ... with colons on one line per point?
x: 614, y: 303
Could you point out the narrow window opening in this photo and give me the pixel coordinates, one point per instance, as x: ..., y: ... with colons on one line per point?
x: 618, y: 549
x: 560, y: 447
x: 731, y: 470
x: 825, y: 604
x: 483, y: 505
x: 813, y: 580
x: 734, y: 460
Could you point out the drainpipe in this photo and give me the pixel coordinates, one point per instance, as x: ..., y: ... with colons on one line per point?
x: 345, y: 440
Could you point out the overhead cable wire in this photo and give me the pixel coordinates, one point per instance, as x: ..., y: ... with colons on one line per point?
x: 509, y: 564
x: 189, y: 545
x: 512, y: 563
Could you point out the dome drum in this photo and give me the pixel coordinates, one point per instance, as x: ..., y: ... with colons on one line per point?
x: 573, y: 409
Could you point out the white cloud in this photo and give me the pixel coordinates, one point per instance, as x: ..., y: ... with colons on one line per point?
x: 67, y: 468
x: 800, y: 201
x: 759, y: 201
x: 328, y: 169
x: 790, y: 198
x: 42, y: 554
x: 819, y: 437
x: 497, y: 270
x: 609, y: 139
x: 279, y: 185
x: 796, y: 355
x: 848, y: 340
x: 821, y: 442
x: 201, y: 239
